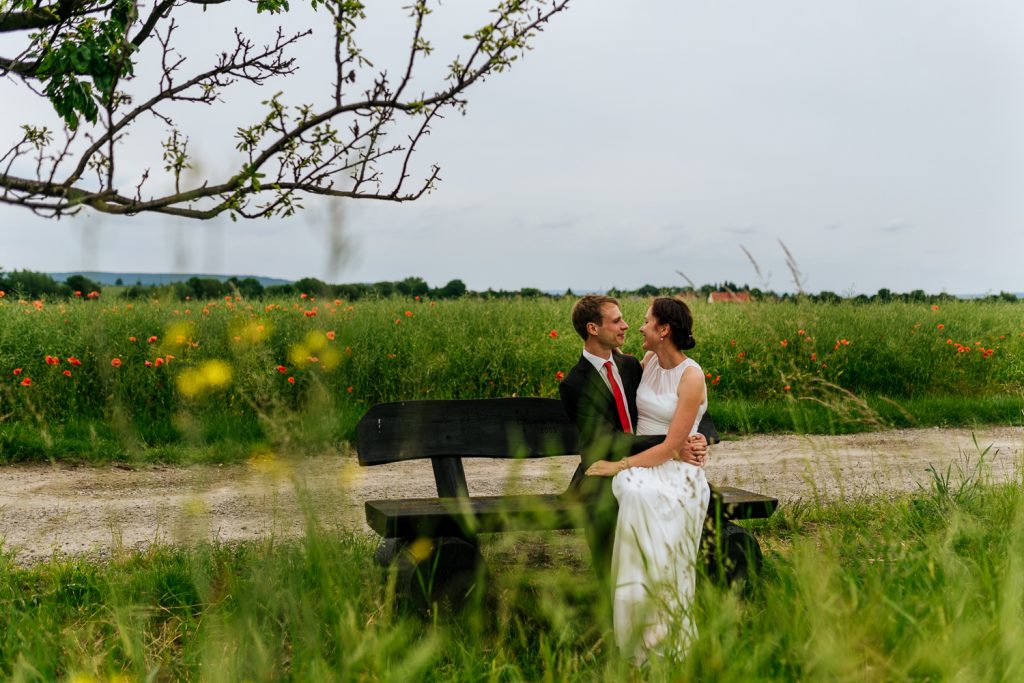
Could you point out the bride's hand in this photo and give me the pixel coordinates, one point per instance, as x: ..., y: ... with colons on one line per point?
x: 603, y: 468
x: 695, y: 451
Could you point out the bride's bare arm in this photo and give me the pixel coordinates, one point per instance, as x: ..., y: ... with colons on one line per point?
x: 690, y: 394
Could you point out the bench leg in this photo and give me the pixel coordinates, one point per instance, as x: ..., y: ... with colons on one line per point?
x: 448, y: 572
x: 732, y: 553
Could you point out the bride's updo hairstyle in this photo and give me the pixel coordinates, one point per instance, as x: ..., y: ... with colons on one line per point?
x: 676, y: 314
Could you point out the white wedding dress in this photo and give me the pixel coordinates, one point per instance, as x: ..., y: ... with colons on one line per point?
x: 661, y: 514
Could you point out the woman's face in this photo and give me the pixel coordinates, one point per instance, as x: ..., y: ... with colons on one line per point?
x: 652, y: 331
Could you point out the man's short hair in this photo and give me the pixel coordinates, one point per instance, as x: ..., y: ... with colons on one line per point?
x: 588, y: 310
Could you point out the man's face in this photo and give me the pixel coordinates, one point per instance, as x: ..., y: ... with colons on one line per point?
x: 611, y: 333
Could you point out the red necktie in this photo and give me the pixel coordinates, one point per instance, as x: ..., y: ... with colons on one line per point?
x: 619, y: 402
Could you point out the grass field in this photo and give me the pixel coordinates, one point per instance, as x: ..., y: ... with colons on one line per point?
x: 925, y: 587
x: 98, y: 380
x: 912, y: 588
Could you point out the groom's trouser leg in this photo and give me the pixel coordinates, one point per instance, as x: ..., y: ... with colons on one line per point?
x: 602, y: 516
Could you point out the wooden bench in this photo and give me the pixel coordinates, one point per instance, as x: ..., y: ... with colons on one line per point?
x: 434, y: 540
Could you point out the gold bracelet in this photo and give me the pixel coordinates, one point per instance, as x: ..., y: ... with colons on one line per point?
x: 625, y: 464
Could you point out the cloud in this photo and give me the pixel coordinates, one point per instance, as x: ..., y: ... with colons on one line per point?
x: 742, y: 230
x: 896, y: 227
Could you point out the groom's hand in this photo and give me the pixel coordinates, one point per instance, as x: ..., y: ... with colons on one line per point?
x: 695, y: 450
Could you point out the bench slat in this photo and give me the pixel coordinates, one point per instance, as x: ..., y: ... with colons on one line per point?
x: 432, y: 517
x: 487, y: 428
x: 478, y: 428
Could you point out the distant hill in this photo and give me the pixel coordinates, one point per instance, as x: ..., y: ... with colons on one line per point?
x: 157, y: 278
x: 1019, y: 295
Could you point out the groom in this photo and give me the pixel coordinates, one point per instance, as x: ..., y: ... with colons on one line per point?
x: 599, y: 395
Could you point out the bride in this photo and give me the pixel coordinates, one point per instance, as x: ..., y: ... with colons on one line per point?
x: 662, y: 501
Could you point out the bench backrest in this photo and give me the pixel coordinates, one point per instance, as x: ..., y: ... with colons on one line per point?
x: 483, y: 428
x: 446, y: 431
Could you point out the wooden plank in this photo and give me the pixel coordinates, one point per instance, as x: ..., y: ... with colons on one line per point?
x: 488, y: 428
x: 466, y: 517
x: 730, y: 502
x: 412, y: 517
x: 482, y: 428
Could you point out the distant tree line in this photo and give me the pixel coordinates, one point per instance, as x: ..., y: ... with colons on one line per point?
x: 34, y: 285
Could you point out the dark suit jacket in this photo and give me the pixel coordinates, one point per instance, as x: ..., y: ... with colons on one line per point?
x: 589, y: 403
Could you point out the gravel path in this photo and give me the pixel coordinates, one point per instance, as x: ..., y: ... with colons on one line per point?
x: 47, y: 510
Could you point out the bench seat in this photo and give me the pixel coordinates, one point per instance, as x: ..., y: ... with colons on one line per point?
x: 431, y: 517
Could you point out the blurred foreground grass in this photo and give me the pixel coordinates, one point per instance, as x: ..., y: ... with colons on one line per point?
x: 924, y: 587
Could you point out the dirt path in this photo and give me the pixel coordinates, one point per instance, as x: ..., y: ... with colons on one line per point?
x: 56, y: 509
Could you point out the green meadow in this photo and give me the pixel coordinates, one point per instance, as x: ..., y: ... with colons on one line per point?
x: 910, y: 587
x: 199, y: 381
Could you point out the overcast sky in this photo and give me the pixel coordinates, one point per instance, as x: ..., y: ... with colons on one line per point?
x: 880, y: 140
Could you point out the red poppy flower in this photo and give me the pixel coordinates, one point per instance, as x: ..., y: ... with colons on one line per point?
x: 92, y: 295
x: 559, y: 375
x: 74, y: 361
x: 116, y: 362
x: 17, y: 371
x: 51, y: 360
x: 158, y: 362
x: 282, y: 369
x: 417, y: 297
x: 553, y: 334
x: 330, y: 335
x: 935, y: 307
x: 408, y: 314
x: 303, y: 296
x: 78, y: 292
x: 940, y: 326
x: 132, y: 339
x: 785, y: 388
x: 349, y: 390
x: 152, y: 339
x: 291, y: 380
x: 949, y: 341
x: 148, y: 363
x: 814, y: 356
x: 2, y: 294
x: 310, y: 313
x: 716, y: 380
x: 67, y: 373
x: 784, y: 343
x: 26, y: 382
